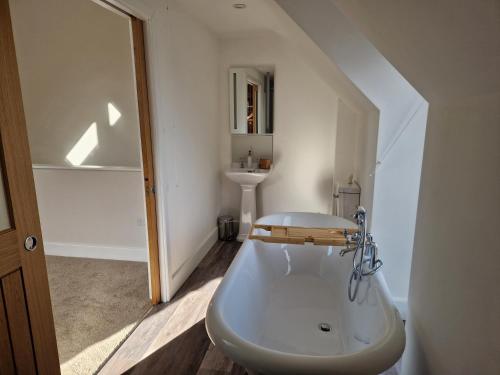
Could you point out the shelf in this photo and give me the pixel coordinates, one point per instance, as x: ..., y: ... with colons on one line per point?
x: 301, y: 235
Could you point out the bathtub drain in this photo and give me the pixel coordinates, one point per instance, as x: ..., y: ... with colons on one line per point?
x: 325, y: 327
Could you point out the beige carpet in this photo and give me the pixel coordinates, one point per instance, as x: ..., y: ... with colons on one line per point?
x: 96, y: 304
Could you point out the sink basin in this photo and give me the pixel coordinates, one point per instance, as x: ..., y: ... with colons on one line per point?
x: 248, y: 179
x: 247, y: 176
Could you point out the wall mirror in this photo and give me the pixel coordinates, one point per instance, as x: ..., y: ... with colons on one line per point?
x: 251, y: 100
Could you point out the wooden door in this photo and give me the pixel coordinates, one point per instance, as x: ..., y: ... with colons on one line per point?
x: 27, y: 336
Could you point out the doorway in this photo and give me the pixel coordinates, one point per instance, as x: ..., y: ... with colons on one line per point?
x: 83, y: 80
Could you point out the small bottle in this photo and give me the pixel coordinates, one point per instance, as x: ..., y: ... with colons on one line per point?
x: 249, y: 159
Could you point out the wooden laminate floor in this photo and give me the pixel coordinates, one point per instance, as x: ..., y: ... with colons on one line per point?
x: 172, y: 338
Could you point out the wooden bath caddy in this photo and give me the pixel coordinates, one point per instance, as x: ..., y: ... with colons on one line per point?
x: 301, y: 235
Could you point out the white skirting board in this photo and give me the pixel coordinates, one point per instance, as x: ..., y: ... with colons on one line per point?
x: 402, y: 306
x: 187, y: 268
x: 81, y: 250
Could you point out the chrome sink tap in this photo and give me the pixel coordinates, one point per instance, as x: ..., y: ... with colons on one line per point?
x: 365, y: 261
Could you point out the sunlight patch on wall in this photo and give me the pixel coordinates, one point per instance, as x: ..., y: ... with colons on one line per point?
x: 85, y: 145
x: 113, y: 114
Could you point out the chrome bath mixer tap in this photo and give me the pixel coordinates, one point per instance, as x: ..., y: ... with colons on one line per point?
x: 365, y: 261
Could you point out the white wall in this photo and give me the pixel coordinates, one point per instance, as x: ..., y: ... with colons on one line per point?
x: 397, y: 102
x: 368, y: 139
x: 183, y: 75
x: 449, y: 50
x: 454, y: 304
x: 305, y: 121
x: 74, y: 58
x: 348, y: 147
x: 395, y: 205
x: 356, y: 151
x: 92, y: 213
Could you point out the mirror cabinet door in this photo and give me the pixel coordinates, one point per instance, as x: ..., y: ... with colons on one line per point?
x: 237, y: 101
x: 247, y: 101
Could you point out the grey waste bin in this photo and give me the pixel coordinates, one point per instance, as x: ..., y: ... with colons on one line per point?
x: 225, y: 224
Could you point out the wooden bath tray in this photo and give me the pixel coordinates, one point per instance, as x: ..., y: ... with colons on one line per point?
x: 301, y: 235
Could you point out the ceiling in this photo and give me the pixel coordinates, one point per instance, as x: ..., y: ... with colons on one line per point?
x: 227, y: 22
x: 262, y: 17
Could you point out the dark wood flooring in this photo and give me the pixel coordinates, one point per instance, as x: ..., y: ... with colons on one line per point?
x: 172, y: 338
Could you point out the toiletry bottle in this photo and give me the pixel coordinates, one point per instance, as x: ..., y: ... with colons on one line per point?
x: 249, y: 159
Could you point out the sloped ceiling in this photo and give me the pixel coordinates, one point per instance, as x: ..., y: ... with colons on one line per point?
x: 362, y: 63
x: 446, y: 48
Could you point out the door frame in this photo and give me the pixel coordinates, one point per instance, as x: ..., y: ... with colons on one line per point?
x: 147, y: 155
x: 147, y: 149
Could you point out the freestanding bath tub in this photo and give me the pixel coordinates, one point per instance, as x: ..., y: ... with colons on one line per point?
x: 272, y: 311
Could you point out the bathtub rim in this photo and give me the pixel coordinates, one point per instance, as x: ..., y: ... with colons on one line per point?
x: 328, y: 217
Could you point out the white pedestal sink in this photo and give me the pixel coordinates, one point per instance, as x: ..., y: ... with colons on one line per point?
x: 248, y: 179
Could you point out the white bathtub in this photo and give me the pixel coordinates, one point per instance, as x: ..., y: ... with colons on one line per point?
x: 265, y: 313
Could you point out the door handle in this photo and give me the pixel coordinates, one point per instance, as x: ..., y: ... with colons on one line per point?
x: 30, y: 243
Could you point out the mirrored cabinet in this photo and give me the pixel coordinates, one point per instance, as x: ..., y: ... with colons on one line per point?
x: 251, y: 100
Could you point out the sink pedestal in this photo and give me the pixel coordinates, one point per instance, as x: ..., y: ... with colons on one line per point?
x: 248, y: 179
x: 248, y: 213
